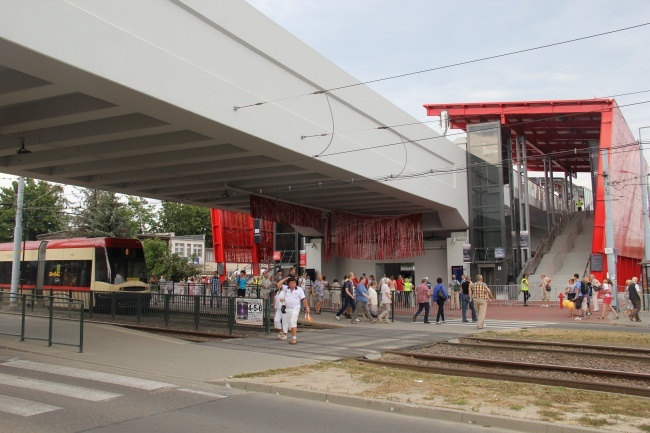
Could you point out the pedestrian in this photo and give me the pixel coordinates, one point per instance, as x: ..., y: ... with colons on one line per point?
x: 347, y: 295
x: 386, y: 301
x: 318, y: 292
x: 525, y: 289
x: 214, y: 286
x: 634, y: 293
x: 399, y: 286
x: 480, y: 293
x: 607, y: 298
x: 579, y: 204
x: 408, y: 289
x: 335, y: 293
x: 466, y: 299
x: 293, y: 296
x: 594, y: 287
x: 279, y: 321
x: 545, y: 289
x: 372, y: 295
x: 440, y: 295
x: 241, y: 282
x: 422, y: 294
x: 580, y: 310
x: 362, y: 298
x: 454, y: 291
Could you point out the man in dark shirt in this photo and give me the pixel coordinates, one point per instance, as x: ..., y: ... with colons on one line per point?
x: 347, y: 295
x: 633, y: 293
x: 466, y: 300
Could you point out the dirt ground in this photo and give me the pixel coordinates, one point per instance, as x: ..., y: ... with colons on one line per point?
x: 605, y: 411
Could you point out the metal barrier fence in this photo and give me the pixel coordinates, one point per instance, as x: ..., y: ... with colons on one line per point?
x: 198, y: 312
x: 42, y: 306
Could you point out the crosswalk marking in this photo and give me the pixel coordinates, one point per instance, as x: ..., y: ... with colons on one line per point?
x: 203, y: 393
x: 18, y: 406
x: 57, y: 388
x: 114, y: 379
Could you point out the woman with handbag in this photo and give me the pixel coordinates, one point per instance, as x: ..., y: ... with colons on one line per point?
x: 440, y: 295
x: 607, y: 298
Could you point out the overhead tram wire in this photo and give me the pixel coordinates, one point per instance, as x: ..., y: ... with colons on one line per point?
x: 506, y: 111
x: 467, y: 62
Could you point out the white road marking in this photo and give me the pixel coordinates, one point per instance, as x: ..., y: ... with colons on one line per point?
x: 18, y: 406
x: 57, y: 388
x: 204, y: 393
x: 114, y: 379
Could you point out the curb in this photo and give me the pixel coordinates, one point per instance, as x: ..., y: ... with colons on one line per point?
x: 409, y: 409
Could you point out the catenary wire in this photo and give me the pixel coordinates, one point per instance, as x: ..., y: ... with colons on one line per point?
x: 467, y: 62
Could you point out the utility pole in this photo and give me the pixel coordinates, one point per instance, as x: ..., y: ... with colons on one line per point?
x: 609, y: 230
x: 18, y: 235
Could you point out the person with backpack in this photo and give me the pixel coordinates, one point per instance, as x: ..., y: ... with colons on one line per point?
x: 440, y: 295
x: 454, y: 291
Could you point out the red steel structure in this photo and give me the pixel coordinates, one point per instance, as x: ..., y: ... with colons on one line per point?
x: 233, y: 239
x: 565, y: 128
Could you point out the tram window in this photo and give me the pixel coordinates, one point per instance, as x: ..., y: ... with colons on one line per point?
x: 101, y: 265
x: 67, y: 273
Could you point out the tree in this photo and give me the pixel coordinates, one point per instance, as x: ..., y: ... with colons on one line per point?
x: 161, y: 262
x: 44, y: 208
x: 103, y: 214
x: 142, y: 213
x: 184, y: 219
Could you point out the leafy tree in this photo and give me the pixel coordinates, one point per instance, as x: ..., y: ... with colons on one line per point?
x: 44, y: 208
x: 143, y: 214
x: 103, y: 214
x: 161, y: 262
x: 184, y: 219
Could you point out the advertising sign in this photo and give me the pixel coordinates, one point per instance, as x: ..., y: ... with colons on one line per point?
x: 467, y: 253
x: 250, y: 311
x: 524, y: 240
x: 303, y: 258
x: 499, y: 253
x: 277, y: 255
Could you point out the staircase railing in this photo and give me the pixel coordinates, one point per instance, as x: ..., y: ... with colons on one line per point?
x: 545, y: 245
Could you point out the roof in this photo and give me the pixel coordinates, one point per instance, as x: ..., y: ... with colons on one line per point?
x: 550, y: 127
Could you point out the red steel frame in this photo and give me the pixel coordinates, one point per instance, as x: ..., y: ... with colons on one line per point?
x: 569, y: 125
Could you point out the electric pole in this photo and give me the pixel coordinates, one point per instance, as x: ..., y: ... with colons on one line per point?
x: 18, y: 235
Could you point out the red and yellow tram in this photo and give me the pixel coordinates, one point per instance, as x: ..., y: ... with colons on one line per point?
x: 79, y: 266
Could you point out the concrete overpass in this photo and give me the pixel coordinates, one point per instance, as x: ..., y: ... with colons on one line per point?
x: 138, y: 97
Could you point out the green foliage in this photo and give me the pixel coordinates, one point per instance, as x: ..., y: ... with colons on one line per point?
x: 184, y: 219
x: 104, y: 215
x: 44, y: 210
x: 161, y: 262
x: 143, y: 214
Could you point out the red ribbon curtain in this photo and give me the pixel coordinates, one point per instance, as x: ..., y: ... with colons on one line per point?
x: 285, y: 213
x: 368, y: 237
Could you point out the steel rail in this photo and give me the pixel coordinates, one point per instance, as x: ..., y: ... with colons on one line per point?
x: 527, y: 366
x: 560, y: 351
x: 562, y: 344
x: 513, y: 377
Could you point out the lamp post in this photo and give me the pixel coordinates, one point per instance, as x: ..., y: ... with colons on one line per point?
x: 18, y: 234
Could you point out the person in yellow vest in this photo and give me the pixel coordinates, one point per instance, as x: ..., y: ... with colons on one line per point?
x: 579, y: 204
x: 525, y: 289
x: 408, y: 289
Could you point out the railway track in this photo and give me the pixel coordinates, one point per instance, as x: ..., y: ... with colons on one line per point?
x: 611, y: 370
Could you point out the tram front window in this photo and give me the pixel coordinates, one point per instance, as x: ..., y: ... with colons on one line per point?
x: 128, y: 262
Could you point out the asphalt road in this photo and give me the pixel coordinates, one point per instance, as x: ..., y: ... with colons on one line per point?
x: 43, y: 395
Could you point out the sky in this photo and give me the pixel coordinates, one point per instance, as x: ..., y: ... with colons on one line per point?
x: 373, y: 39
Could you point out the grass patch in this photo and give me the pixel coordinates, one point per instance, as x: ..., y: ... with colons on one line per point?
x: 551, y: 414
x: 516, y: 407
x: 543, y: 403
x: 592, y: 421
x: 644, y: 427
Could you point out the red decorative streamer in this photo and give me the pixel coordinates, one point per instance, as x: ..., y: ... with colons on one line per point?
x: 368, y: 237
x: 285, y: 213
x: 328, y: 238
